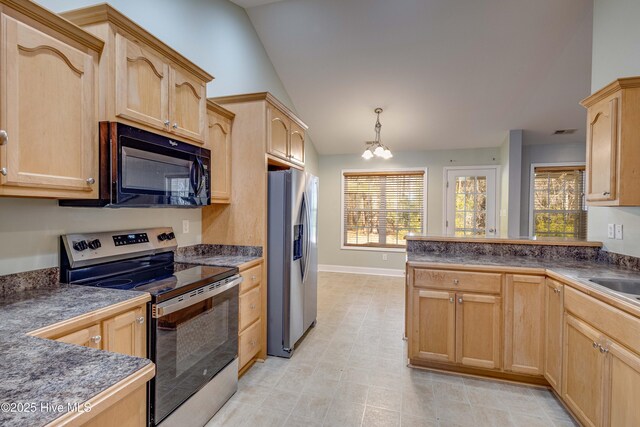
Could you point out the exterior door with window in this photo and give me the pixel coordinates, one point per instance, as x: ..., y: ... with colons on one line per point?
x: 471, y: 202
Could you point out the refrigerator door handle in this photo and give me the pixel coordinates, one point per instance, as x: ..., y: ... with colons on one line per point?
x: 307, y: 236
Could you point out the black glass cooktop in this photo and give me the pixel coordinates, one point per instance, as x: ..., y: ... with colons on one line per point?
x: 165, y: 281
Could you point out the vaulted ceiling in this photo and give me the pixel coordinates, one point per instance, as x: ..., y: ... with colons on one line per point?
x: 448, y: 73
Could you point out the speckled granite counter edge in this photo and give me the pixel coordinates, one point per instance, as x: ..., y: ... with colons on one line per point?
x: 207, y: 250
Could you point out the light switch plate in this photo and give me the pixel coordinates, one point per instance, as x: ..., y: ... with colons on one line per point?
x: 185, y: 226
x: 384, y: 257
x: 611, y: 233
x: 619, y: 231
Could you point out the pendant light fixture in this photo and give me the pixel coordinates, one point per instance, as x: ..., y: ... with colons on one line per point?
x: 375, y: 148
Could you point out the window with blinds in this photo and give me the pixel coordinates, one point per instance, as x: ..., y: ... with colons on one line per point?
x: 558, y: 202
x: 381, y: 208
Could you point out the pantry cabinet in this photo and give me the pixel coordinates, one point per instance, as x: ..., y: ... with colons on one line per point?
x: 613, y: 144
x: 553, y: 314
x: 144, y: 82
x: 48, y: 106
x: 524, y: 323
x: 219, y: 125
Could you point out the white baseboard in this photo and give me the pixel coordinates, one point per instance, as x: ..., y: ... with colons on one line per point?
x: 361, y: 270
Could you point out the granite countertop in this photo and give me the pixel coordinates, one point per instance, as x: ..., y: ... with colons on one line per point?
x: 39, y: 371
x: 577, y: 270
x: 217, y: 260
x: 522, y: 240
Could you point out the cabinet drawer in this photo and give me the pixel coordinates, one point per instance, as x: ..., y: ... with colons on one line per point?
x: 458, y: 280
x: 252, y: 278
x: 249, y: 343
x: 250, y: 308
x: 617, y: 324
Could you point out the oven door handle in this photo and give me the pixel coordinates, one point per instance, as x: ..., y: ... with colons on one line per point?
x: 182, y: 301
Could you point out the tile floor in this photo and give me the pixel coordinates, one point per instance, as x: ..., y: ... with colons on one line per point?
x: 350, y: 370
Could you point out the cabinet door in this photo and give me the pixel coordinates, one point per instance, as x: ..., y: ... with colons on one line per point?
x: 142, y: 84
x: 49, y: 113
x: 188, y: 110
x: 219, y: 142
x: 126, y: 333
x: 582, y: 371
x: 90, y: 336
x: 296, y: 149
x: 602, y: 146
x: 553, y: 297
x: 433, y: 326
x: 249, y: 344
x: 622, y: 384
x: 524, y: 316
x: 478, y: 330
x: 278, y: 133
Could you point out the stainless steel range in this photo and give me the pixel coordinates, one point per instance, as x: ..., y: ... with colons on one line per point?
x: 193, y: 332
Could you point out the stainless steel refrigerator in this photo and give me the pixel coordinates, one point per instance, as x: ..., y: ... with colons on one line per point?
x: 292, y: 288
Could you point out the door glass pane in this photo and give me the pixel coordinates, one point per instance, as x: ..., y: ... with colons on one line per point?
x: 470, y: 205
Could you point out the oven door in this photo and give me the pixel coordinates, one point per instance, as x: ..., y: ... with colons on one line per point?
x: 194, y: 337
x: 153, y: 170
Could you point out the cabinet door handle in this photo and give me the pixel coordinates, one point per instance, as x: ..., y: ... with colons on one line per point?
x: 557, y: 291
x: 3, y: 171
x: 451, y: 299
x: 606, y: 193
x: 4, y: 137
x: 252, y: 306
x: 96, y: 339
x: 91, y: 181
x: 460, y: 300
x: 167, y: 122
x: 253, y: 278
x: 595, y: 345
x: 175, y: 126
x: 456, y: 281
x: 603, y: 350
x: 140, y: 319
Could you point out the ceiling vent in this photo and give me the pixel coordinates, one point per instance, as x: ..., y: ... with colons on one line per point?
x: 565, y: 131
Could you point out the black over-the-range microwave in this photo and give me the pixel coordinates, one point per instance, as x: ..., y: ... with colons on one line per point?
x: 144, y: 169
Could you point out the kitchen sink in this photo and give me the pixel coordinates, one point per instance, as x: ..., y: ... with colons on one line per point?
x: 625, y: 286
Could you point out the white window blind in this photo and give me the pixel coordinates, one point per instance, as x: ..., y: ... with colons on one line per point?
x: 381, y: 208
x: 559, y: 208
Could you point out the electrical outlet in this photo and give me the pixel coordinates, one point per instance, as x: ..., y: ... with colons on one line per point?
x: 619, y: 231
x: 185, y: 226
x: 384, y: 257
x: 611, y: 233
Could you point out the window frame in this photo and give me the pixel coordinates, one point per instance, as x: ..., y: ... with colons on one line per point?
x: 382, y: 170
x: 532, y: 177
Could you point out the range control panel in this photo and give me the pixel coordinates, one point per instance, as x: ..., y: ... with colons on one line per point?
x: 93, y: 248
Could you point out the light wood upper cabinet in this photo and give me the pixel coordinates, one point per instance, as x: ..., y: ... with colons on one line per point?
x: 613, y: 144
x: 583, y: 371
x: 187, y: 101
x: 434, y: 325
x: 554, y: 308
x: 279, y: 128
x: 296, y: 150
x: 523, y: 324
x: 478, y: 330
x: 142, y: 84
x: 91, y: 336
x: 48, y: 112
x: 126, y: 333
x: 219, y: 125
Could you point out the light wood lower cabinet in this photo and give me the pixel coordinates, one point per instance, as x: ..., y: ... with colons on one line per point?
x: 553, y: 313
x: 622, y: 386
x: 252, y: 315
x: 121, y: 331
x: 524, y: 321
x: 583, y: 369
x: 434, y: 326
x: 126, y: 333
x: 478, y: 324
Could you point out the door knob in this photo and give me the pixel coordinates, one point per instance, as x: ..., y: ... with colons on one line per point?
x: 456, y: 281
x: 460, y: 300
x: 140, y: 320
x: 91, y: 181
x: 167, y: 122
x: 451, y: 299
x: 175, y: 126
x: 3, y: 171
x: 4, y: 137
x: 96, y: 339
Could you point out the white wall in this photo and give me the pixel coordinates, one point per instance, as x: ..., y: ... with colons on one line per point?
x: 215, y: 34
x: 616, y: 53
x: 329, y: 240
x: 544, y: 153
